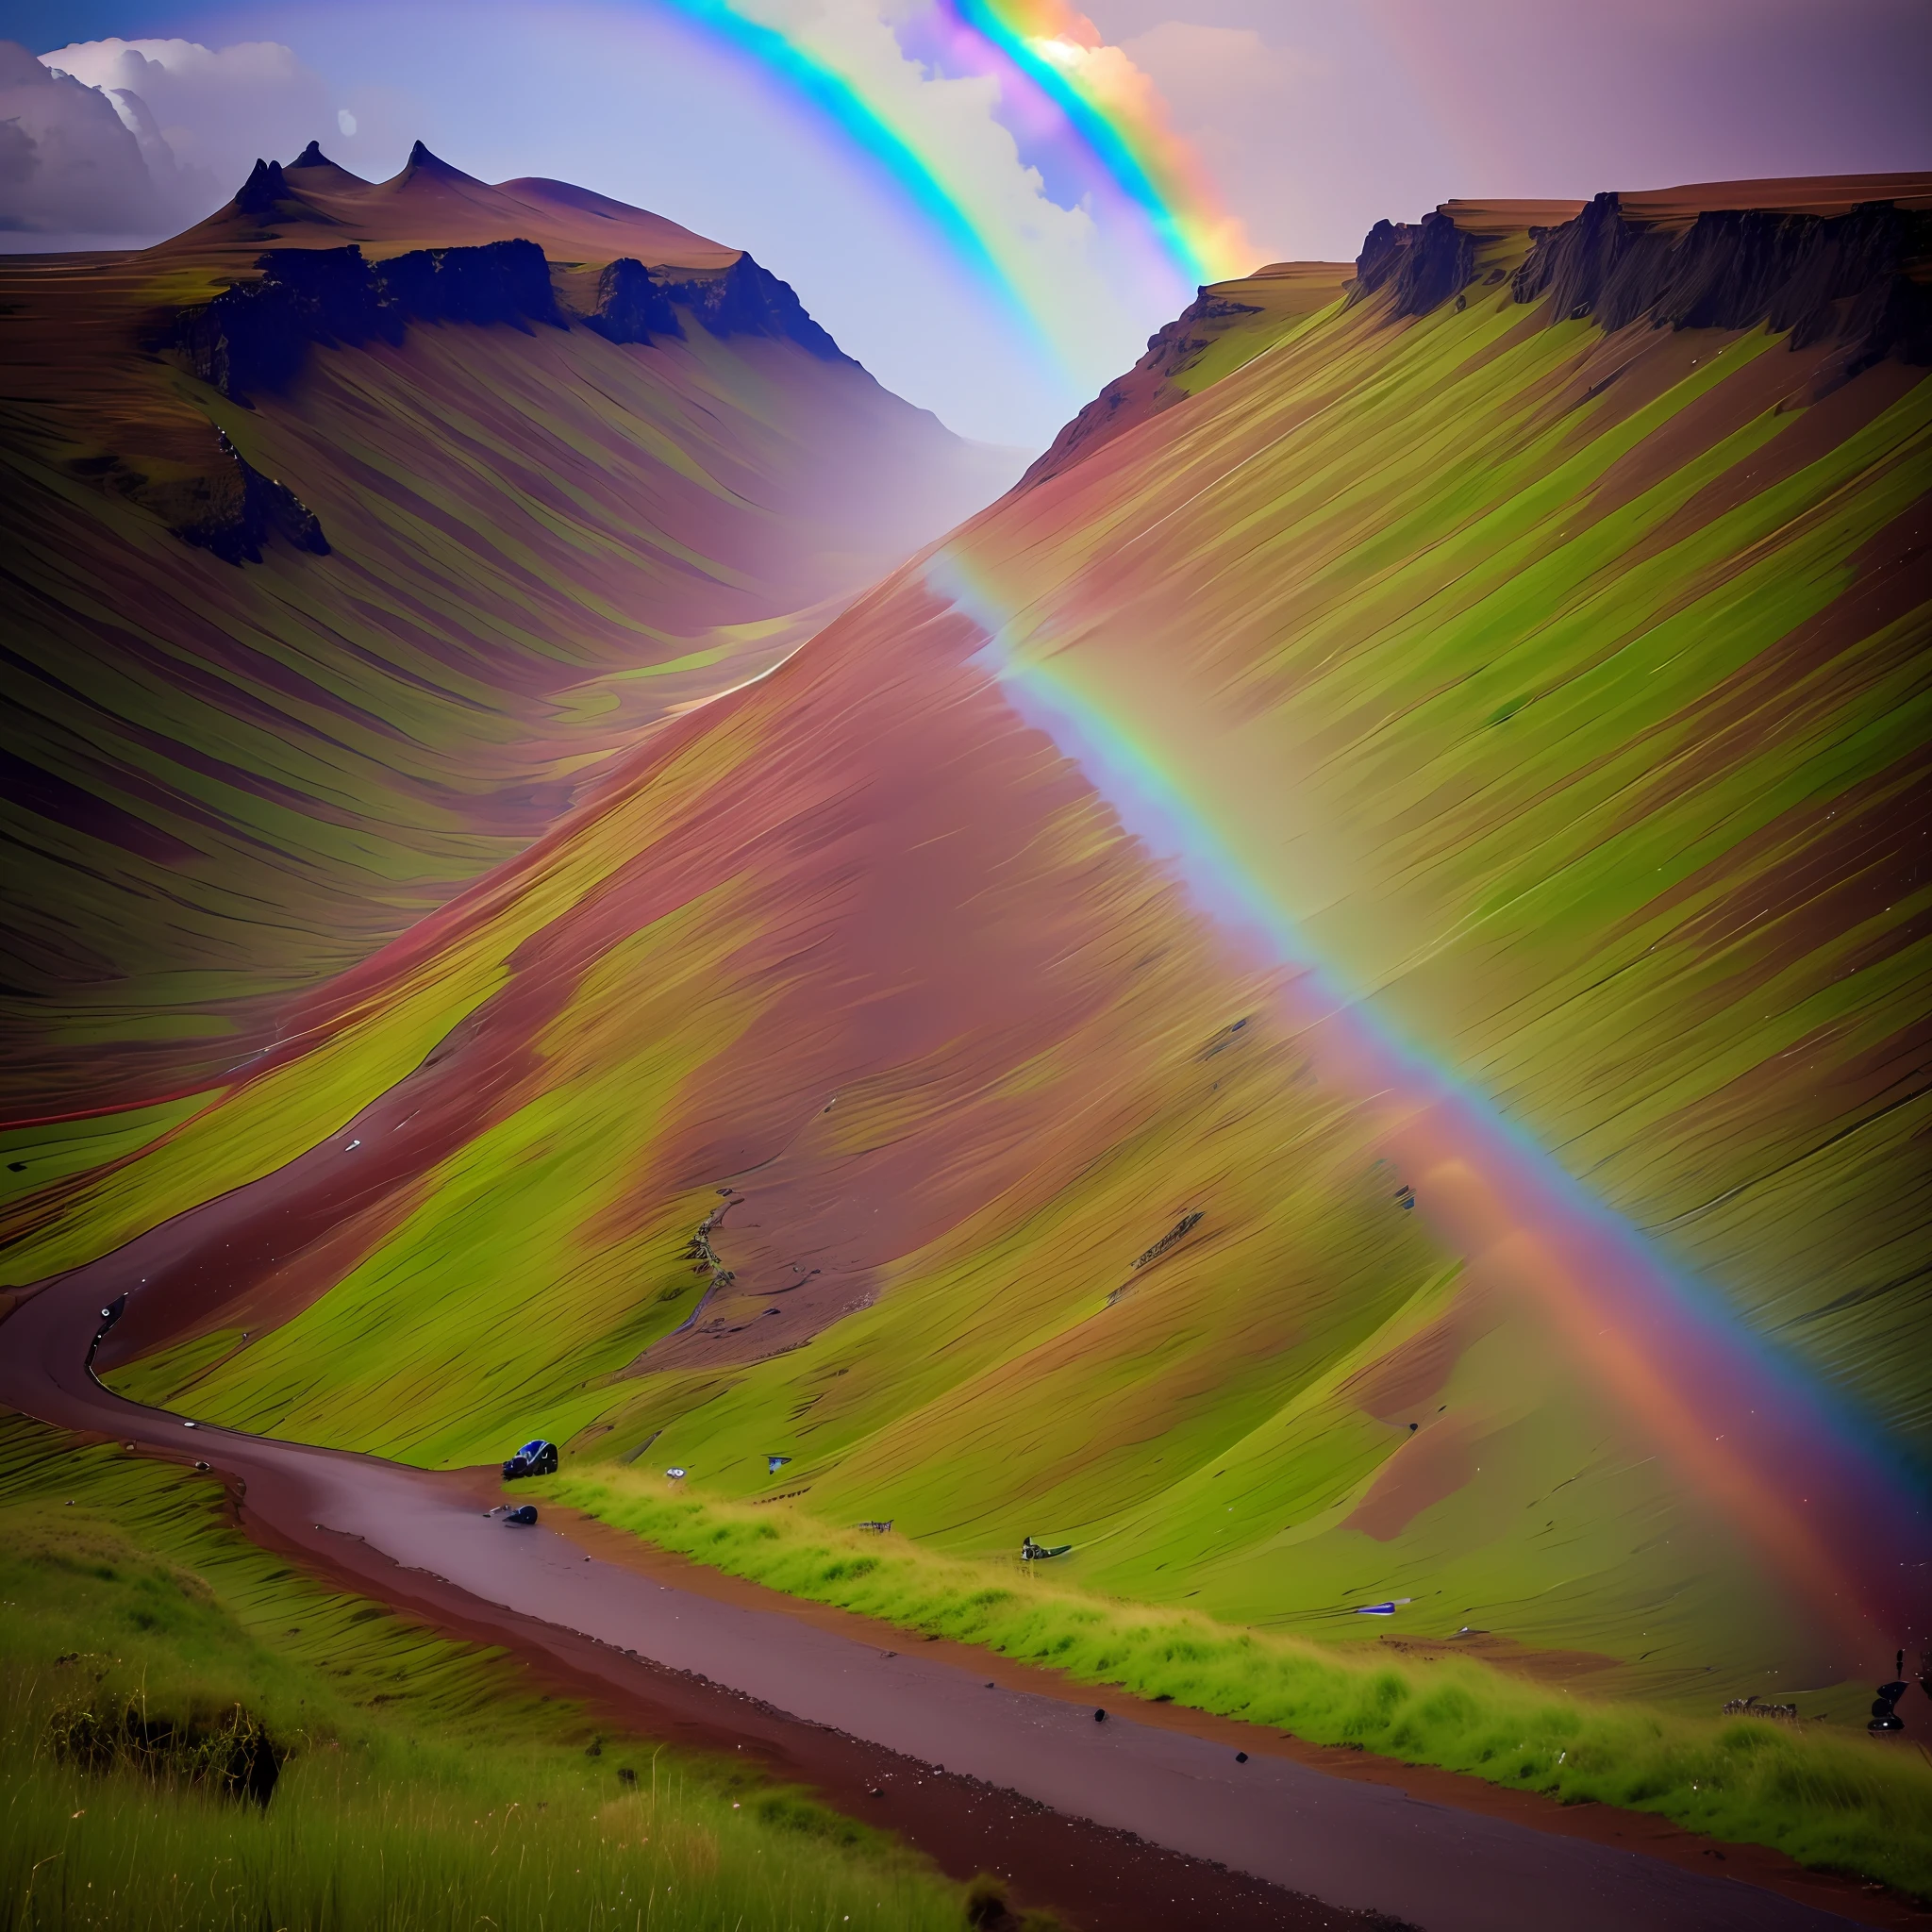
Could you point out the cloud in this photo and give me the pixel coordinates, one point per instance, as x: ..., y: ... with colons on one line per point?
x: 69, y: 163
x: 129, y: 140
x: 216, y: 108
x: 1201, y: 68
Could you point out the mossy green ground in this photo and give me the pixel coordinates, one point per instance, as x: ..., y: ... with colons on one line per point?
x: 429, y: 1786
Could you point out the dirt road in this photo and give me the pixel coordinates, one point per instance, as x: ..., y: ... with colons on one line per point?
x: 980, y: 1774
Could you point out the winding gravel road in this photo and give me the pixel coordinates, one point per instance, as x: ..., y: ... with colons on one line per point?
x: 421, y: 1540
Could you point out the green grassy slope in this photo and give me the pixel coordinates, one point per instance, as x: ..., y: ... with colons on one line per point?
x: 1568, y: 692
x: 221, y: 783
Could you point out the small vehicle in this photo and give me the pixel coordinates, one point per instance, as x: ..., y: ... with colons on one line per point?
x: 525, y: 1516
x: 1031, y: 1552
x: 538, y: 1458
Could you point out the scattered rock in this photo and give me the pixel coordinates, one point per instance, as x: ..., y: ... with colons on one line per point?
x: 1182, y: 1227
x: 1753, y: 1707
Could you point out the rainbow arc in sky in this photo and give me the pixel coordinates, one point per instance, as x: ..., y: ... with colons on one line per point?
x: 1063, y: 93
x: 1111, y: 106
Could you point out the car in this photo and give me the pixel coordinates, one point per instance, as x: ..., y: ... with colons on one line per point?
x: 538, y: 1458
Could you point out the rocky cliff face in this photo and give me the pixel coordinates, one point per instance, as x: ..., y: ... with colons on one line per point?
x: 1428, y: 262
x: 500, y: 283
x: 632, y: 306
x: 748, y: 300
x: 1846, y: 278
x: 235, y: 510
x: 1852, y: 280
x: 257, y: 334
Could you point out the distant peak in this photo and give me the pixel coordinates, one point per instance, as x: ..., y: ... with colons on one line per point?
x: 422, y: 162
x: 264, y: 188
x: 316, y: 173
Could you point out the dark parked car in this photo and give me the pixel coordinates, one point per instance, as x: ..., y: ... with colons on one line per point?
x: 533, y: 1458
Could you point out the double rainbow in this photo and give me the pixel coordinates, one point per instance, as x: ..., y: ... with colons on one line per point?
x: 1061, y: 91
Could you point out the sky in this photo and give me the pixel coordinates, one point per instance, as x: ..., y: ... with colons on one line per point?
x: 1017, y: 264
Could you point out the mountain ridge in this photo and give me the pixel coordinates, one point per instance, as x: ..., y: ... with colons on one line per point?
x: 1824, y: 255
x: 466, y: 547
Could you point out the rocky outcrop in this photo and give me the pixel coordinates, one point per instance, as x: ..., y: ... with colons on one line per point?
x: 257, y: 335
x: 1428, y: 263
x: 1147, y: 388
x: 748, y: 300
x: 263, y: 190
x: 499, y: 283
x: 632, y: 306
x: 635, y: 304
x: 1846, y: 280
x: 1856, y: 279
x: 236, y: 510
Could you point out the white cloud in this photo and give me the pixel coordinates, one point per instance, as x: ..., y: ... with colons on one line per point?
x: 70, y: 162
x: 132, y: 139
x: 217, y: 108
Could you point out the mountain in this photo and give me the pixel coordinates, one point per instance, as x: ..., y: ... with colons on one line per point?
x: 351, y: 535
x: 1327, y: 1000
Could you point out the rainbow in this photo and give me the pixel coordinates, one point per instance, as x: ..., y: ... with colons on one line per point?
x: 1117, y: 111
x: 1060, y: 87
x: 896, y: 153
x: 1816, y: 1493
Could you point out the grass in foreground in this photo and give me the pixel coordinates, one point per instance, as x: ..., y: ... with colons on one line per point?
x: 425, y: 1785
x: 1833, y: 1800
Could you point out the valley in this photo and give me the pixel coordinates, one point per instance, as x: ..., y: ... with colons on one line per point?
x: 1324, y: 1001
